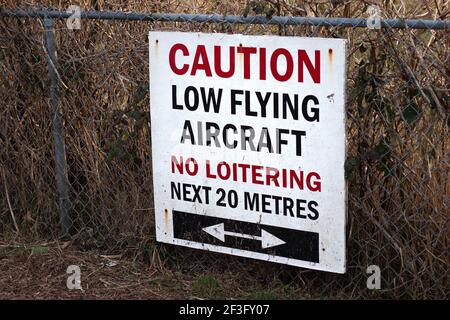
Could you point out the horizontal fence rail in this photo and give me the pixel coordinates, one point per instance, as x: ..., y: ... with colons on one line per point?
x: 233, y: 19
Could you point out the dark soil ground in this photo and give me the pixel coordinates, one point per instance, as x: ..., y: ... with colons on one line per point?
x: 38, y: 271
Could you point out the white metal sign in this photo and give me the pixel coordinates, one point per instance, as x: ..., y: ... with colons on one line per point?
x: 248, y: 145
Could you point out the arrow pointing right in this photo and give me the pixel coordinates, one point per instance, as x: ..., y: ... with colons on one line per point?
x: 267, y: 239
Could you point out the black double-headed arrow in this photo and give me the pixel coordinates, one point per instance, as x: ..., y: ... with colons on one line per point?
x: 283, y: 242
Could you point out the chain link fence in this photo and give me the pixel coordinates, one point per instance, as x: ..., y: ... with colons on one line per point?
x: 75, y: 137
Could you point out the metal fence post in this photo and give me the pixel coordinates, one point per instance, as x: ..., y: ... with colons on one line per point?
x: 60, y: 153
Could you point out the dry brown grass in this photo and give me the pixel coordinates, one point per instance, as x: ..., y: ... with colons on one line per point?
x: 37, y: 270
x: 398, y: 142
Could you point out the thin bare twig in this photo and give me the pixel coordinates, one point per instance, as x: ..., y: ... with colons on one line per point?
x: 9, y: 202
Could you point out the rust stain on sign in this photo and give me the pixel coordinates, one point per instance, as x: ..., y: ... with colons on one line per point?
x: 240, y: 56
x: 330, y: 61
x: 166, y: 220
x: 156, y: 46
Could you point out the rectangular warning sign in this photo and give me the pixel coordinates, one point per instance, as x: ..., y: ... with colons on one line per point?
x: 248, y: 145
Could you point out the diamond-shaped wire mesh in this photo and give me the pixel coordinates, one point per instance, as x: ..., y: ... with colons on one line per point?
x: 397, y: 127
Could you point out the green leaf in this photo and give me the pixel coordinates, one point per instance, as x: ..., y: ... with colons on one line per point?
x: 382, y: 149
x: 116, y: 150
x: 39, y: 250
x: 411, y: 113
x: 11, y: 250
x: 350, y: 167
x: 207, y: 286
